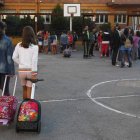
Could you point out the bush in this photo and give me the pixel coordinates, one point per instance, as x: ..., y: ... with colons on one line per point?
x: 15, y: 25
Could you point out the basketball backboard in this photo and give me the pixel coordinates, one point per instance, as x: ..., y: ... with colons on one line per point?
x: 72, y: 10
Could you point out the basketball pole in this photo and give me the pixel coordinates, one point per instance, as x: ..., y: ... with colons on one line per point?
x: 71, y: 22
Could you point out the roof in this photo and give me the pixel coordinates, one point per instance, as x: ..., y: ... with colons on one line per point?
x: 125, y: 2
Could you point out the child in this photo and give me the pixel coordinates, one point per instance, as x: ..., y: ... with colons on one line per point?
x: 105, y: 43
x: 67, y: 52
x: 6, y: 62
x: 99, y: 38
x: 46, y: 41
x: 26, y: 56
x: 53, y: 39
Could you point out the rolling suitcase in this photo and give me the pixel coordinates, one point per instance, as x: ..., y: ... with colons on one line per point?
x: 8, y: 105
x: 29, y: 113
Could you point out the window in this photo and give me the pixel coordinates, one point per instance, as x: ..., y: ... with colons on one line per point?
x: 8, y: 11
x: 101, y: 17
x: 86, y: 11
x: 47, y: 17
x: 27, y: 11
x: 139, y: 20
x: 120, y: 19
x: 45, y: 11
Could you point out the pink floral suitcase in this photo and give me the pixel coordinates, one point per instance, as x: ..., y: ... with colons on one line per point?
x: 8, y: 105
x: 29, y: 113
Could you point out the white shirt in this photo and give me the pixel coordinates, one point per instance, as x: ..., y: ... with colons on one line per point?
x: 26, y: 58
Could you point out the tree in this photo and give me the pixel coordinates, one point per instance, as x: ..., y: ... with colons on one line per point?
x: 77, y: 24
x: 13, y: 25
x: 26, y: 21
x: 40, y: 22
x: 59, y: 23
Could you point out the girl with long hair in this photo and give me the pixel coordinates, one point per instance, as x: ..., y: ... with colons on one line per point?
x: 26, y: 56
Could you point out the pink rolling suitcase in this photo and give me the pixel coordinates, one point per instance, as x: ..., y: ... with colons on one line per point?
x: 8, y: 105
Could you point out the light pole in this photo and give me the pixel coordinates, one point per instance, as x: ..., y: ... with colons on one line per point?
x: 37, y: 13
x: 36, y: 17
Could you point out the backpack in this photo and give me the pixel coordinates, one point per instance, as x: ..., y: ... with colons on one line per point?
x: 127, y: 43
x: 67, y: 52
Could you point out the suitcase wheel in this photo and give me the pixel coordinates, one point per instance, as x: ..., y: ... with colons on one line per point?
x: 39, y: 127
x: 17, y: 130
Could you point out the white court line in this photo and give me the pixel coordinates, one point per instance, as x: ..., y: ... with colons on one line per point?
x: 61, y: 100
x: 111, y: 97
x: 90, y: 92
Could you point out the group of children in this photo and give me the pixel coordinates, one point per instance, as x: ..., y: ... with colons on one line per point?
x: 122, y: 44
x: 49, y: 41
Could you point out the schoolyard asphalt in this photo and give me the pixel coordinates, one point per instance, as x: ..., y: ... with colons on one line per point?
x: 84, y: 99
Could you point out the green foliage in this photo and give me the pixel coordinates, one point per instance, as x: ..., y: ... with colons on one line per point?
x: 59, y: 23
x: 58, y: 10
x: 77, y: 24
x: 15, y: 25
x: 86, y: 22
x: 26, y: 21
x: 40, y: 23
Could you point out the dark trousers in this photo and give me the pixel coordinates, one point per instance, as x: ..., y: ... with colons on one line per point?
x: 91, y: 49
x: 86, y: 48
x: 139, y: 52
x: 63, y: 47
x: 2, y: 79
x: 114, y: 55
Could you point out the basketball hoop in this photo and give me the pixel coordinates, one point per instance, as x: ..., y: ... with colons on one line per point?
x: 71, y: 10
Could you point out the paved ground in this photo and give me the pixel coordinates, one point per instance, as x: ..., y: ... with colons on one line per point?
x: 84, y: 99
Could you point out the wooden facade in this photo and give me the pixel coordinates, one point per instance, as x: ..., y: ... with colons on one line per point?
x: 124, y: 12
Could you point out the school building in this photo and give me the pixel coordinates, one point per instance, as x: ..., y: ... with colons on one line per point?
x: 124, y: 12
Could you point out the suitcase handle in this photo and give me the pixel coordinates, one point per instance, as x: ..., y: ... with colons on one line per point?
x: 33, y: 85
x: 34, y: 80
x: 5, y: 84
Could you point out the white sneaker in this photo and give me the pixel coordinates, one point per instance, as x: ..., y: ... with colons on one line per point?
x: 117, y: 65
x: 126, y: 63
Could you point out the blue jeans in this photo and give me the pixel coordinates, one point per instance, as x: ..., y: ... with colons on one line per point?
x: 126, y: 53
